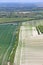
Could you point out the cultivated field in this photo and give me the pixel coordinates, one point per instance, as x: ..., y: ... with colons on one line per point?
x: 30, y: 48
x: 8, y: 42
x: 27, y: 40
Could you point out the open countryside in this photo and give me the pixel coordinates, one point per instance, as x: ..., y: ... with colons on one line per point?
x: 21, y: 34
x: 20, y: 43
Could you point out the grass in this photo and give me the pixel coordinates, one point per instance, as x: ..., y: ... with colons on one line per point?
x: 2, y: 20
x: 6, y: 36
x: 40, y: 27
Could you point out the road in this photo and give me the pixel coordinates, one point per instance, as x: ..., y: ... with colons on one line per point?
x: 31, y: 47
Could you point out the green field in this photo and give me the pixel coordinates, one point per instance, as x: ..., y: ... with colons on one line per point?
x: 39, y: 28
x: 3, y: 20
x: 8, y: 42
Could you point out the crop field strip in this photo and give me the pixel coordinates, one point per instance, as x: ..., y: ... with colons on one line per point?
x: 6, y: 35
x: 39, y: 29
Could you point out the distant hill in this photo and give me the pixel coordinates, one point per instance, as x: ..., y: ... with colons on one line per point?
x: 39, y: 4
x: 21, y: 6
x: 17, y: 5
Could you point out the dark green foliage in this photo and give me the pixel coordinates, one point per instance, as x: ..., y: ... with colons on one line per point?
x: 39, y: 28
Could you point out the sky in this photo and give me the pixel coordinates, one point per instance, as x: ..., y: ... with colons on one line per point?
x: 22, y: 1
